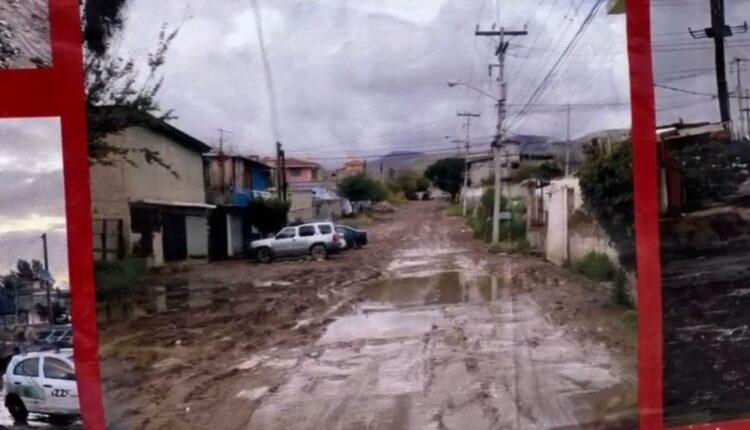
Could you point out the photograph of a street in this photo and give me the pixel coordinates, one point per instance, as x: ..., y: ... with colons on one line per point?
x: 700, y: 53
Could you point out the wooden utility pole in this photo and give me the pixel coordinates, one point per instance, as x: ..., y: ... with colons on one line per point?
x: 497, y: 143
x: 719, y: 31
x: 468, y: 116
x: 279, y: 172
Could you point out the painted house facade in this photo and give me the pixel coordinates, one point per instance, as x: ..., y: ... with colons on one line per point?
x: 297, y: 170
x: 232, y: 183
x: 161, y: 213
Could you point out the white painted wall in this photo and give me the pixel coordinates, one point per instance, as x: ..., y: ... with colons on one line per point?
x: 557, y: 226
x: 197, y: 236
x: 151, y: 181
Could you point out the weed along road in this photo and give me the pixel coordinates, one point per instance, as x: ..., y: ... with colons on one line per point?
x: 423, y: 329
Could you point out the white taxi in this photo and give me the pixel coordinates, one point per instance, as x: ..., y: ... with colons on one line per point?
x: 42, y: 383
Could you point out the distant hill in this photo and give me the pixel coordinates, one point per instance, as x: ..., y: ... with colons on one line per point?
x: 395, y: 160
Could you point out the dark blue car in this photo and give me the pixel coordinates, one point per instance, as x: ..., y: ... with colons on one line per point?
x: 354, y: 238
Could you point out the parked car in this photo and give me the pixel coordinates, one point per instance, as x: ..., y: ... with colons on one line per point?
x: 315, y: 239
x: 58, y: 336
x: 354, y: 238
x: 42, y: 383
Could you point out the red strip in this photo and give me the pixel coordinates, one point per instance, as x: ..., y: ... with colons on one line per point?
x: 646, y: 189
x: 59, y: 92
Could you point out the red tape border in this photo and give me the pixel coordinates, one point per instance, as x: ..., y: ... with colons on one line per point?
x: 59, y: 91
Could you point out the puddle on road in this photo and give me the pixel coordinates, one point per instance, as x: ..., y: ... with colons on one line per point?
x: 441, y: 288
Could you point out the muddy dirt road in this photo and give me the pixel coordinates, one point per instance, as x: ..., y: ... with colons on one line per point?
x: 24, y: 34
x: 423, y: 330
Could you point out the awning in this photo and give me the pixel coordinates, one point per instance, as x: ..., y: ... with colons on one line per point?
x: 152, y: 202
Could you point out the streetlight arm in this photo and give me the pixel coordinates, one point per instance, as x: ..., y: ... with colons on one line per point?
x: 455, y: 83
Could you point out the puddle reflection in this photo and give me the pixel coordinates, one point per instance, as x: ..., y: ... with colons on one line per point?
x: 441, y: 288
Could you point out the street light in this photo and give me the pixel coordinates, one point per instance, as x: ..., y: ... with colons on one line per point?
x: 455, y: 83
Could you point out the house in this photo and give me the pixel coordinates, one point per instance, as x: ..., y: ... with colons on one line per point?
x: 160, y: 212
x: 314, y: 200
x: 671, y: 138
x: 351, y: 168
x: 297, y: 170
x: 232, y: 183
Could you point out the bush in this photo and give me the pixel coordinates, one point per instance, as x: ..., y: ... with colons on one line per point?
x: 363, y: 188
x: 495, y: 249
x: 268, y: 215
x: 596, y: 266
x: 522, y: 246
x: 122, y: 275
x: 620, y: 289
x: 447, y: 174
x: 455, y: 210
x: 630, y: 319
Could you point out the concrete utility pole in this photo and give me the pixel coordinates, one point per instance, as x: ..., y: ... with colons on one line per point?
x: 567, y: 146
x: 747, y: 113
x: 740, y: 126
x: 468, y: 116
x: 50, y: 313
x: 719, y: 31
x: 279, y: 172
x: 497, y: 143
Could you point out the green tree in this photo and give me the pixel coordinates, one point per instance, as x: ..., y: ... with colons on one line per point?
x: 268, y: 215
x: 411, y: 183
x: 447, y: 174
x: 423, y: 184
x: 362, y: 188
x: 606, y: 180
x: 120, y: 92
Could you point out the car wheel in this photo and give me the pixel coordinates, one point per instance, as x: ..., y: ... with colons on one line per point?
x: 61, y: 420
x: 17, y: 409
x: 264, y: 255
x: 351, y: 244
x: 319, y: 252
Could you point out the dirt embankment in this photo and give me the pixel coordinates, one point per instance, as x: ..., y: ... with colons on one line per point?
x: 24, y: 34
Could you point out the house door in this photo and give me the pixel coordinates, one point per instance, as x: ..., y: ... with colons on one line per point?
x: 174, y: 236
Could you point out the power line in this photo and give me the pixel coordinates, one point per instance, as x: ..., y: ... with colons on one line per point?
x: 566, y: 51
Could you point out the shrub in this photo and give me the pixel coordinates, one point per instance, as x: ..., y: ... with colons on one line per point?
x: 363, y: 188
x: 455, y: 210
x: 111, y: 276
x: 494, y: 249
x: 620, y: 289
x: 596, y: 266
x: 630, y: 319
x: 522, y: 246
x: 268, y: 215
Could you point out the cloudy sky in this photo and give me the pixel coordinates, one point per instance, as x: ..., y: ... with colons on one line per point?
x: 32, y: 198
x: 359, y: 78
x: 686, y: 65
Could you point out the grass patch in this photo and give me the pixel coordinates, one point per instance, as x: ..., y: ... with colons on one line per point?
x: 522, y: 246
x: 630, y: 319
x: 596, y: 266
x: 455, y: 210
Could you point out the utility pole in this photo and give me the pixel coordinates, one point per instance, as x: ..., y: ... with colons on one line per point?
x: 719, y: 31
x: 567, y: 145
x: 740, y: 126
x: 468, y: 116
x: 50, y: 313
x: 284, y: 185
x: 747, y: 114
x: 497, y: 143
x: 279, y: 171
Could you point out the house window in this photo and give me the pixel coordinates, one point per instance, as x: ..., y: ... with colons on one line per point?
x: 296, y: 172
